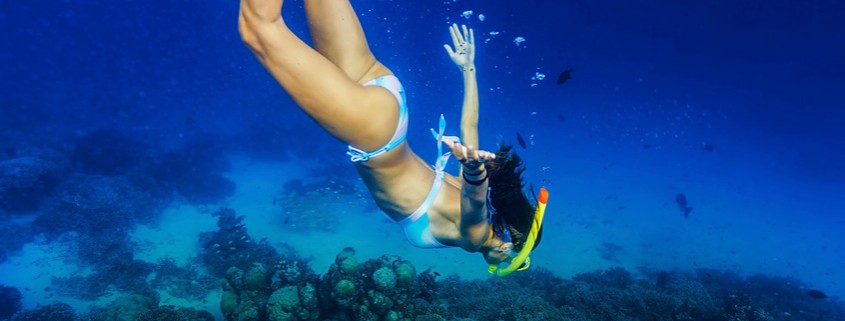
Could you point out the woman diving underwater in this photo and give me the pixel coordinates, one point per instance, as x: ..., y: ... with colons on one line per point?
x: 341, y: 85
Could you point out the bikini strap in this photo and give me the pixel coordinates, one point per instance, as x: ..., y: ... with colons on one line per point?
x: 439, y: 168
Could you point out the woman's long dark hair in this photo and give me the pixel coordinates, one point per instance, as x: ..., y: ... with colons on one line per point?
x: 508, y: 198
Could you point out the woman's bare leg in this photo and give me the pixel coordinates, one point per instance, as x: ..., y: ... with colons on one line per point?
x: 337, y: 35
x: 350, y: 112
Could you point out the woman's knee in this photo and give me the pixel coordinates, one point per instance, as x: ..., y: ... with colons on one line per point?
x: 256, y: 34
x: 248, y: 36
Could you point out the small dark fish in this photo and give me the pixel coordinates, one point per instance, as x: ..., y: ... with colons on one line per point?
x: 816, y: 294
x: 561, y: 118
x: 681, y: 199
x: 191, y: 120
x: 564, y: 76
x: 520, y: 140
x: 646, y: 146
x: 436, y: 274
x: 709, y: 147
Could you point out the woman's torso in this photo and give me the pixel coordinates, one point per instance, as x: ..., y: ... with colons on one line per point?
x: 399, y: 182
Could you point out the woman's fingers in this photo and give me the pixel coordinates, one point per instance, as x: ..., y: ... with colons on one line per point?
x: 472, y: 154
x: 468, y: 153
x: 459, y: 151
x: 451, y: 144
x: 485, y: 156
x: 461, y: 35
x: 456, y: 36
x: 449, y: 50
x: 456, y: 148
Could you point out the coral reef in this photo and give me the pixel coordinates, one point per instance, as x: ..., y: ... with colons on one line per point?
x: 284, y: 291
x: 610, y: 278
x: 144, y: 307
x: 109, y: 255
x: 192, y: 171
x: 108, y: 152
x: 260, y: 283
x: 738, y: 308
x: 387, y: 288
x: 130, y: 307
x: 10, y: 301
x: 499, y: 298
x: 26, y: 180
x: 617, y: 295
x: 129, y: 276
x: 231, y: 246
x: 134, y: 307
x: 15, y: 236
x: 761, y: 297
x: 172, y: 313
x: 95, y: 214
x: 91, y: 204
x: 182, y: 281
x: 52, y: 312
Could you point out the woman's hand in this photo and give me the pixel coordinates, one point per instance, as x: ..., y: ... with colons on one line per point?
x: 464, y: 41
x: 472, y: 159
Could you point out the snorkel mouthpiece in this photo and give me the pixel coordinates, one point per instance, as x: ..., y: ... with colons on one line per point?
x: 521, y: 261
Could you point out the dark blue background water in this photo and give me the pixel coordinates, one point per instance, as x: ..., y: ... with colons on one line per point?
x: 764, y: 75
x: 653, y: 84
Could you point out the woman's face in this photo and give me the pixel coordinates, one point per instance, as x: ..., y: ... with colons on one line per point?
x: 500, y: 253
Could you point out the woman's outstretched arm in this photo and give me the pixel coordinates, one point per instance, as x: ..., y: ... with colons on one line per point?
x: 474, y: 225
x: 463, y: 55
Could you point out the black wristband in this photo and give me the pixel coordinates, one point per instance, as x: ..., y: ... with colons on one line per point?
x: 475, y: 182
x: 473, y: 173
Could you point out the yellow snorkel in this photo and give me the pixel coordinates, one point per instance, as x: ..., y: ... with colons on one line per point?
x: 521, y: 261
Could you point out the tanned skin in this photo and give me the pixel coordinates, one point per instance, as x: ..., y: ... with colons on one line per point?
x: 326, y: 82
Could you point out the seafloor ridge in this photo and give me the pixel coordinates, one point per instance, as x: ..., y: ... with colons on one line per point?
x: 260, y: 283
x: 88, y: 203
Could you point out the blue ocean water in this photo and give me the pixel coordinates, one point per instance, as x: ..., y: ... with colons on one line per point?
x: 114, y: 113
